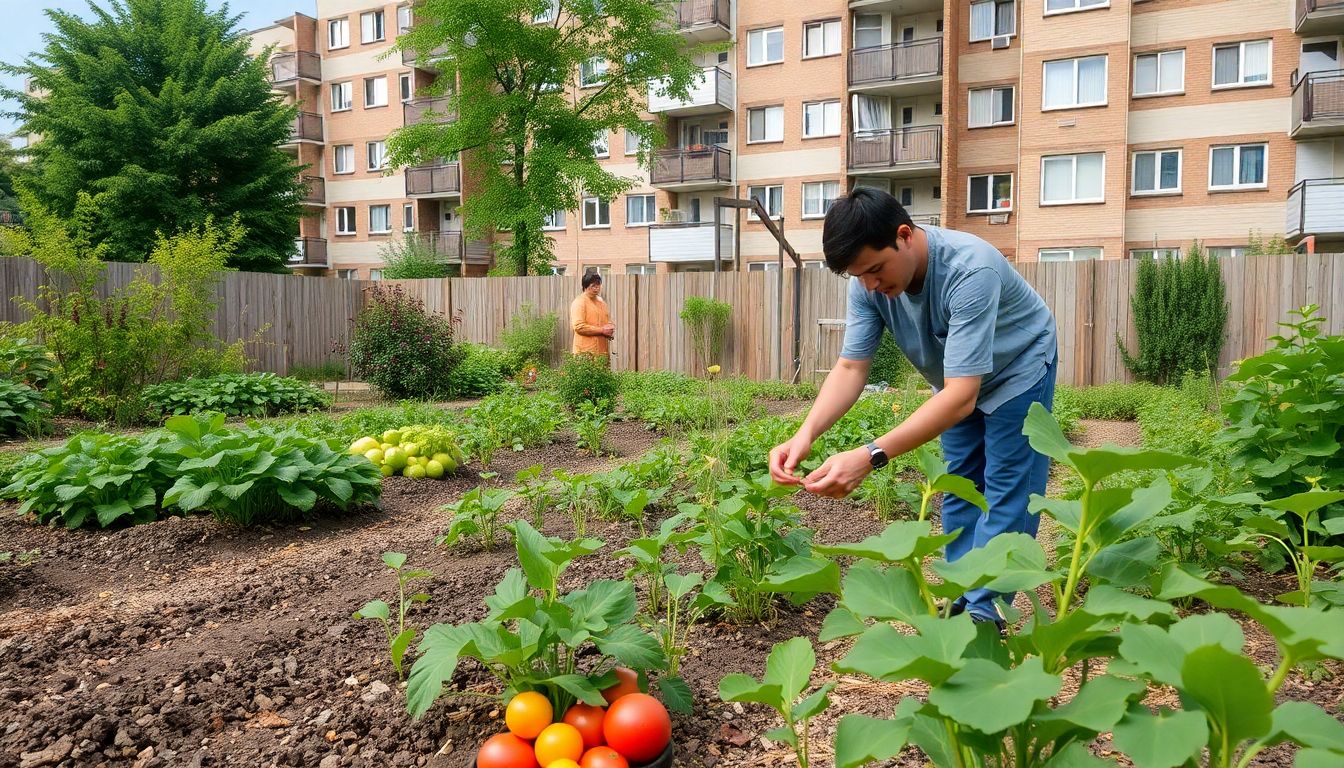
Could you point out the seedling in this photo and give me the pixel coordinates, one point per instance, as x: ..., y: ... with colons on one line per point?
x: 788, y: 670
x: 397, y: 642
x: 475, y: 514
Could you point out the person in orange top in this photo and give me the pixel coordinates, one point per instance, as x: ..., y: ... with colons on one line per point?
x: 591, y: 319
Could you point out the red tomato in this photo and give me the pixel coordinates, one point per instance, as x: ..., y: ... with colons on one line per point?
x: 627, y: 681
x: 504, y: 750
x: 603, y: 757
x: 638, y: 726
x: 588, y: 719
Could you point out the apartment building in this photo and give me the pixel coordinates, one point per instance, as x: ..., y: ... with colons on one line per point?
x: 1058, y: 130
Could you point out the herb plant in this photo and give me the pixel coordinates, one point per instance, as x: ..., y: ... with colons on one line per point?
x: 475, y: 514
x: 590, y: 425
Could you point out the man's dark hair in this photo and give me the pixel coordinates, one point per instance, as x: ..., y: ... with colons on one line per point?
x: 590, y: 279
x: 865, y: 216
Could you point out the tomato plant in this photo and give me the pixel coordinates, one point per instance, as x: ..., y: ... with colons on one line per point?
x: 528, y: 714
x: 504, y: 750
x: 638, y: 726
x: 588, y: 720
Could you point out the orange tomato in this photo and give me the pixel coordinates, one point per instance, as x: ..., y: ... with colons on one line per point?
x: 563, y: 762
x: 527, y: 714
x: 603, y: 757
x: 504, y: 750
x: 558, y: 741
x: 627, y: 681
x: 588, y: 719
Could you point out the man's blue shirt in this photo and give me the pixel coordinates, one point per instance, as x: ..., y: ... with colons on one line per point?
x: 974, y: 316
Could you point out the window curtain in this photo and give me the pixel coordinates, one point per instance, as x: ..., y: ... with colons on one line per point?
x: 1252, y: 165
x: 1057, y: 179
x: 1172, y: 71
x: 1223, y: 166
x: 871, y: 114
x: 1225, y: 65
x: 1092, y: 79
x: 1090, y: 176
x: 1171, y: 171
x: 1058, y: 83
x: 1005, y: 18
x: 1144, y: 167
x: 982, y: 21
x: 982, y: 107
x: 1256, y: 66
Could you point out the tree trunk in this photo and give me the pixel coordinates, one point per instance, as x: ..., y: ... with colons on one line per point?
x: 522, y: 245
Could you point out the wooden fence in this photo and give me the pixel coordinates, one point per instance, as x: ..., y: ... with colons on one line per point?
x: 1091, y: 301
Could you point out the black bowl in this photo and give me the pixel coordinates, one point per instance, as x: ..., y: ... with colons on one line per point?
x: 662, y: 761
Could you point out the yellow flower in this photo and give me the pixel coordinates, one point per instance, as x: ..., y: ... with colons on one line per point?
x: 896, y: 407
x: 713, y: 370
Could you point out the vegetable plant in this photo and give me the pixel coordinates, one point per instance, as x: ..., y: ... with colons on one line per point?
x: 538, y: 492
x: 648, y: 567
x: 475, y: 514
x: 1290, y: 523
x: 590, y: 425
x: 93, y: 478
x: 22, y: 408
x: 25, y: 362
x: 788, y: 670
x: 400, y: 640
x: 576, y: 496
x: 234, y: 394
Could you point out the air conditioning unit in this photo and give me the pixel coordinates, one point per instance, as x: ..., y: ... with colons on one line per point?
x: 998, y: 218
x: 1000, y: 41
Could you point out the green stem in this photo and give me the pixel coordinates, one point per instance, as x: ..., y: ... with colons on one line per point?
x: 1250, y: 754
x: 955, y: 744
x: 1281, y: 673
x: 1075, y: 562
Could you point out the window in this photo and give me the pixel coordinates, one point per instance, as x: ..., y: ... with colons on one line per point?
x: 554, y: 220
x: 937, y: 108
x: 371, y: 27
x: 342, y: 96
x: 907, y: 196
x: 375, y: 91
x: 1075, y: 83
x: 403, y: 19
x: 821, y: 118
x: 345, y: 220
x: 991, y: 18
x: 1240, y: 166
x: 1156, y: 74
x: 821, y: 38
x: 763, y: 266
x: 1241, y: 64
x: 347, y: 274
x: 818, y: 197
x: 867, y: 30
x: 641, y: 269
x: 1155, y: 253
x: 814, y: 265
x: 407, y: 217
x: 937, y: 192
x: 871, y: 113
x: 547, y: 14
x: 771, y: 198
x: 600, y: 269
x: 765, y: 46
x: 1073, y: 178
x: 991, y: 106
x: 1157, y: 172
x: 1069, y: 254
x: 990, y: 193
x: 343, y: 159
x: 593, y: 72
x: 380, y: 219
x: 559, y: 271
x: 405, y: 79
x: 1064, y: 6
x: 596, y: 212
x: 375, y: 274
x: 602, y: 144
x: 639, y: 210
x: 338, y: 33
x: 377, y: 155
x: 633, y: 142
x: 1226, y: 251
x: 765, y: 124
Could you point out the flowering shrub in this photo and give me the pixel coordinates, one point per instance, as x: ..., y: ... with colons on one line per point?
x: 586, y: 379
x: 401, y: 348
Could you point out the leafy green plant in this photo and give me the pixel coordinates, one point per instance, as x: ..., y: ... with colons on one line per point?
x: 331, y: 370
x: 659, y: 383
x: 23, y: 411
x: 481, y: 372
x: 509, y: 420
x: 537, y: 491
x: 648, y: 568
x: 889, y: 494
x: 590, y: 425
x: 413, y: 257
x: 25, y: 557
x: 533, y: 637
x: 1172, y: 420
x: 234, y: 394
x: 401, y: 639
x: 889, y: 365
x: 92, y: 478
x: 707, y: 320
x: 528, y: 337
x: 401, y: 348
x: 788, y: 671
x: 586, y: 378
x: 26, y: 362
x: 1111, y: 402
x: 575, y: 491
x: 1180, y: 314
x: 475, y: 514
x: 1304, y: 554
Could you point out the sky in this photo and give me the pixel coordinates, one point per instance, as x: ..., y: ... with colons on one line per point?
x: 25, y: 21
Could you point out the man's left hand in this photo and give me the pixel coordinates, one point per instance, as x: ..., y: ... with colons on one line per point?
x: 839, y: 475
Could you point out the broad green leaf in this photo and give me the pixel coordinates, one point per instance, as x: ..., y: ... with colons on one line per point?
x: 398, y: 648
x: 860, y: 740
x: 340, y: 488
x: 533, y: 549
x: 580, y: 687
x: 1126, y: 564
x: 1317, y: 758
x: 604, y: 603
x: 1117, y: 511
x: 807, y: 575
x: 1104, y: 600
x: 108, y: 513
x: 1045, y: 436
x: 1152, y: 652
x: 790, y: 666
x: 784, y: 734
x: 882, y: 593
x: 1076, y: 756
x: 680, y: 585
x: 1303, y: 504
x: 1208, y: 629
x: 394, y: 560
x: 631, y: 646
x: 901, y: 540
x: 1165, y: 740
x: 962, y: 488
x: 1307, y: 725
x: 301, y: 497
x: 933, y: 655
x: 840, y: 622
x: 438, y: 659
x: 676, y: 694
x: 374, y: 609
x: 813, y: 704
x: 736, y: 686
x: 1010, y: 562
x: 1097, y: 707
x: 1306, y: 634
x: 1230, y: 690
x: 990, y: 698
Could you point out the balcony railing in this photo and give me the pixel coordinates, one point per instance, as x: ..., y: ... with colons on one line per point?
x: 317, y: 190
x: 893, y: 148
x: 309, y: 252
x: 410, y: 58
x: 307, y: 127
x: 712, y: 93
x: 692, y: 14
x: 1318, y: 99
x: 896, y: 62
x: 682, y: 166
x: 1319, y: 15
x: 436, y: 111
x: 1315, y: 207
x: 295, y: 65
x: 434, y: 180
x: 693, y: 241
x: 931, y: 219
x: 443, y: 246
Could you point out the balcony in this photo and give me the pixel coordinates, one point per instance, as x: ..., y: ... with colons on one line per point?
x: 916, y: 151
x: 705, y: 21
x: 898, y: 69
x: 316, y: 194
x: 430, y: 63
x: 689, y: 242
x: 307, y: 127
x: 897, y: 7
x: 713, y: 93
x: 443, y: 180
x: 445, y: 247
x: 927, y: 219
x: 1315, y: 207
x: 691, y: 169
x: 432, y: 111
x: 288, y: 68
x: 309, y: 253
x: 1318, y: 105
x: 1320, y: 17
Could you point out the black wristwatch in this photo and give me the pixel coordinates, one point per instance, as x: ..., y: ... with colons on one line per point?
x: 876, y: 455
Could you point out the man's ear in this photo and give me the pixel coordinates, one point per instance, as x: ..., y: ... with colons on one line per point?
x: 904, y: 232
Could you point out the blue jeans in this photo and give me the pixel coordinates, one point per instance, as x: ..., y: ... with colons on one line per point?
x: 991, y: 451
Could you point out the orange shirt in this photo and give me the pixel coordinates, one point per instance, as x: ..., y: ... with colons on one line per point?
x: 587, y: 315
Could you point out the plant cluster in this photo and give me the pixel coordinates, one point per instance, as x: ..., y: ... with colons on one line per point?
x: 528, y: 338
x: 586, y: 378
x: 591, y: 421
x: 401, y: 348
x: 234, y: 394
x: 480, y: 372
x: 418, y: 451
x: 25, y: 362
x: 1180, y: 314
x: 22, y: 409
x: 331, y: 370
x: 1109, y: 402
x: 509, y: 420
x: 678, y: 414
x: 889, y: 366
x: 707, y: 320
x: 475, y: 514
x: 414, y: 257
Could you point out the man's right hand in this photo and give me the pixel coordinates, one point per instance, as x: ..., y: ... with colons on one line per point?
x: 785, y: 458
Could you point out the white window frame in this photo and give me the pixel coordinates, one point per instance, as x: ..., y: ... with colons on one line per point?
x: 599, y: 205
x: 1160, y: 56
x: 768, y: 111
x: 1077, y: 64
x: 375, y: 274
x: 1232, y: 251
x: 993, y: 182
x: 593, y: 72
x: 648, y: 206
x: 1157, y: 190
x: 386, y: 207
x: 993, y: 100
x: 638, y: 143
x: 994, y: 10
x: 408, y: 217
x: 827, y: 49
x: 405, y: 19
x: 372, y: 27
x: 762, y: 266
x: 758, y: 46
x: 345, y: 220
x: 1236, y: 166
x: 1075, y: 200
x: 1072, y: 253
x: 828, y: 109
x: 641, y: 269
x: 553, y: 221
x: 338, y: 34
x: 372, y: 92
x: 346, y: 150
x: 1241, y: 66
x: 404, y: 87
x: 825, y: 201
x: 347, y: 91
x: 375, y: 155
x: 602, y: 144
x: 773, y: 196
x: 814, y: 264
x: 1154, y: 253
x: 867, y: 28
x: 1077, y: 7
x: 549, y: 15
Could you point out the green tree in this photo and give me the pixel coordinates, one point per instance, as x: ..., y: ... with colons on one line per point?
x: 1180, y: 314
x: 412, y: 259
x: 528, y: 137
x: 9, y: 165
x: 155, y: 108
